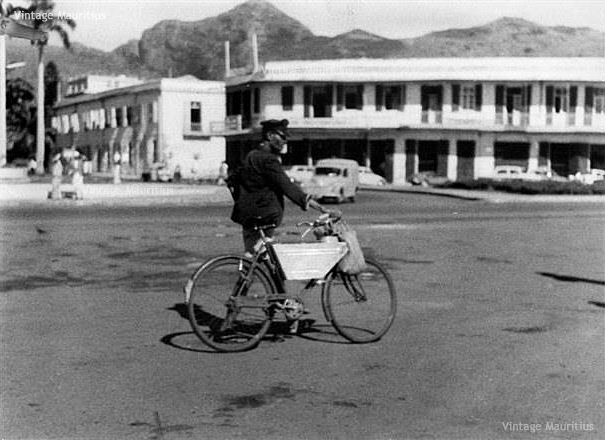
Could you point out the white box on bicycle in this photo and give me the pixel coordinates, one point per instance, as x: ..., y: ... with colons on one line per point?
x: 305, y: 261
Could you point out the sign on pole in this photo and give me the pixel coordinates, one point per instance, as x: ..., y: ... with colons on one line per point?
x: 12, y: 28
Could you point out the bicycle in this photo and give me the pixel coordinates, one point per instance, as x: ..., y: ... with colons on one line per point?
x: 232, y: 300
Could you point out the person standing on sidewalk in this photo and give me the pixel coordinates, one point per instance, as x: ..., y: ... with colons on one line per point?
x: 57, y: 172
x: 117, y: 161
x: 77, y: 179
x: 223, y: 173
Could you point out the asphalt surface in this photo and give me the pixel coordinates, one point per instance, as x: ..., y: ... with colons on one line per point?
x: 499, y: 331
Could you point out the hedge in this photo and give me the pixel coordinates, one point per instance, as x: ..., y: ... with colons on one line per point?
x: 528, y: 187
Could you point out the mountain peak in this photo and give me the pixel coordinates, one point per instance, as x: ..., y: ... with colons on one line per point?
x: 360, y: 34
x: 512, y: 22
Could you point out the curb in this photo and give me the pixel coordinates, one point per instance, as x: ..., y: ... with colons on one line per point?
x: 492, y: 196
x: 426, y: 191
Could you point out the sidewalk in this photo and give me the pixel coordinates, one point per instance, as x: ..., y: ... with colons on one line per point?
x: 131, y: 193
x: 141, y: 193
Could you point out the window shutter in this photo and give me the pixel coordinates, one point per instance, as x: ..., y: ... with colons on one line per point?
x: 379, y: 97
x: 588, y: 100
x: 588, y: 104
x: 402, y: 97
x: 499, y: 98
x: 573, y: 98
x: 455, y: 97
x: 307, y: 101
x: 424, y: 98
x: 339, y: 97
x: 528, y: 98
x: 478, y: 97
x: 329, y: 100
x: 550, y: 94
x: 360, y: 97
x: 287, y: 97
x: 256, y: 100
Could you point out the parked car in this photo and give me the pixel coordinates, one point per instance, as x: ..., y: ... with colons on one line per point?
x: 504, y: 172
x: 598, y: 174
x: 300, y: 173
x: 427, y: 178
x: 542, y: 173
x: 368, y: 177
x: 335, y: 179
x: 595, y: 175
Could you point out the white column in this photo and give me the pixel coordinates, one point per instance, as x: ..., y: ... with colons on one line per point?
x: 484, y: 158
x: 3, y: 139
x: 452, y: 160
x: 534, y: 152
x: 399, y: 162
x: 580, y: 106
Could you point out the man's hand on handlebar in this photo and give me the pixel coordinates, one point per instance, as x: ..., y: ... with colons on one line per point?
x: 334, y: 213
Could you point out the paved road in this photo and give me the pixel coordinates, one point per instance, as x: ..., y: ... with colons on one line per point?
x: 500, y: 325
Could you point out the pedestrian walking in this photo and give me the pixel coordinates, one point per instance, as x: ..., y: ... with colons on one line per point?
x: 31, y: 166
x: 261, y: 184
x: 223, y: 172
x: 77, y: 178
x: 57, y: 173
x: 117, y: 162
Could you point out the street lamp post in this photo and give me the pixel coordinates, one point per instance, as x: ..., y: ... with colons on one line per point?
x: 11, y: 28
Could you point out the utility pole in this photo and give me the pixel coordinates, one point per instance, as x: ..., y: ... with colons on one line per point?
x: 10, y: 27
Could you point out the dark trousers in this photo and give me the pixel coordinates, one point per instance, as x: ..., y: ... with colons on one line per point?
x: 252, y: 236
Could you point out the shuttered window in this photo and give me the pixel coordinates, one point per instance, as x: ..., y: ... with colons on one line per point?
x: 287, y: 98
x: 379, y: 97
x: 455, y: 97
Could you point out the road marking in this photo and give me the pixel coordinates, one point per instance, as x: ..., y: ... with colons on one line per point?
x: 383, y: 226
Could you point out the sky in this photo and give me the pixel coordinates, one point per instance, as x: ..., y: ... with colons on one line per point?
x: 106, y: 24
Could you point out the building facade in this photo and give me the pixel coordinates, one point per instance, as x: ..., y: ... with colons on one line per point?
x: 453, y: 117
x: 169, y: 121
x: 90, y: 84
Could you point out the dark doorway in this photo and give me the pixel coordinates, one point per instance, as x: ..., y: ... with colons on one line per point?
x: 466, y: 160
x: 597, y: 156
x: 325, y: 148
x: 381, y: 152
x: 428, y: 156
x: 511, y: 153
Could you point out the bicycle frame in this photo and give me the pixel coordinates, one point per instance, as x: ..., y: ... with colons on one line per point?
x: 265, y: 256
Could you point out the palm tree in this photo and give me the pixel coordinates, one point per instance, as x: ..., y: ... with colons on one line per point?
x: 53, y: 23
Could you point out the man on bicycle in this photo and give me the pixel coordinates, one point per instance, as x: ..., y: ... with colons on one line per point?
x: 263, y: 184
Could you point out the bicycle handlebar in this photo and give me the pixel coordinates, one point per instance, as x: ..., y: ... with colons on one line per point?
x: 324, y: 220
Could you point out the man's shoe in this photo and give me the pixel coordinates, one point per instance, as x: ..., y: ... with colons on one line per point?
x: 293, y: 327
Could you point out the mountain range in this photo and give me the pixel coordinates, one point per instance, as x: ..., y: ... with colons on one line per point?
x: 175, y: 48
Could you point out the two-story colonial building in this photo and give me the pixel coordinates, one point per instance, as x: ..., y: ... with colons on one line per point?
x: 167, y: 121
x: 456, y: 117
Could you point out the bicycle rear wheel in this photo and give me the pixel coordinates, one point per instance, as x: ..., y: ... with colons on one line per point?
x: 227, y: 311
x: 360, y: 307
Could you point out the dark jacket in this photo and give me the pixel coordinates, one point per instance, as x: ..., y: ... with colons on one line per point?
x: 263, y: 185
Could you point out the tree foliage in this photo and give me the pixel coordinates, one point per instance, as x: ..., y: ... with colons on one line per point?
x: 20, y: 117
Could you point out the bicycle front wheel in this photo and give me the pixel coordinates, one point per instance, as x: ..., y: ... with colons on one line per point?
x: 360, y: 307
x: 227, y: 304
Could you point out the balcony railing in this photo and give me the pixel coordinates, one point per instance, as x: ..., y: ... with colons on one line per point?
x: 432, y: 117
x: 512, y: 119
